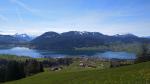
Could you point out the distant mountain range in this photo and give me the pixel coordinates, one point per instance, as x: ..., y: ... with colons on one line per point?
x: 69, y: 40
x: 76, y: 39
x: 23, y: 37
x: 147, y: 37
x: 8, y: 39
x: 14, y: 39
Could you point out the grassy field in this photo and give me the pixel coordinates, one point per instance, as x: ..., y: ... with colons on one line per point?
x: 13, y: 57
x: 19, y: 58
x: 132, y: 74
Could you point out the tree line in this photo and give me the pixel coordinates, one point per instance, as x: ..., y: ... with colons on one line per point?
x: 145, y: 55
x: 13, y: 70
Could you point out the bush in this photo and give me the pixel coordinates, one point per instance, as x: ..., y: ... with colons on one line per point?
x: 33, y: 67
x: 65, y: 61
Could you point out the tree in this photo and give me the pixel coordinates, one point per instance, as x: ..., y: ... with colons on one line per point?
x: 2, y: 73
x: 14, y: 71
x: 145, y: 56
x: 65, y: 61
x: 33, y: 67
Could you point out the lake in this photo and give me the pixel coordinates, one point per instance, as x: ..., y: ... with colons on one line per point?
x: 23, y: 51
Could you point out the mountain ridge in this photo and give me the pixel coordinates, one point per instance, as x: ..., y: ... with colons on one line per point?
x: 23, y: 37
x: 77, y: 39
x: 14, y: 39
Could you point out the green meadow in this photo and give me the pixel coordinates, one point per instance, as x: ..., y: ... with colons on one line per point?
x: 131, y: 74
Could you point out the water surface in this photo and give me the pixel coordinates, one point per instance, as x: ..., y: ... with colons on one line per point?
x: 23, y: 51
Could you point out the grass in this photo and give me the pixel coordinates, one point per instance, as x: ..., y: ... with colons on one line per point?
x: 132, y: 74
x: 75, y: 66
x: 13, y: 57
x: 19, y: 58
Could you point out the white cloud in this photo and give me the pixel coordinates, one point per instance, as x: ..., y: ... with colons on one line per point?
x: 26, y: 7
x: 96, y: 20
x: 23, y: 5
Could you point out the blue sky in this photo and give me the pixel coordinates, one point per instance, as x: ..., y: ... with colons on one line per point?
x: 106, y: 16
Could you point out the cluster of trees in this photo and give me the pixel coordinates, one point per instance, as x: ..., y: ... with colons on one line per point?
x: 134, y: 47
x: 145, y: 54
x: 13, y: 70
x: 57, y: 62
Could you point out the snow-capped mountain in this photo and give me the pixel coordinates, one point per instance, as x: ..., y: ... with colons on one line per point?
x: 23, y: 37
x: 77, y: 39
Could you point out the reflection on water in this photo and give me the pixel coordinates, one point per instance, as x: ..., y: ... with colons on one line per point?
x: 22, y: 51
x: 118, y: 55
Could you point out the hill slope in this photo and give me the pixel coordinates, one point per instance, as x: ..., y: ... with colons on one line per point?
x: 133, y: 74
